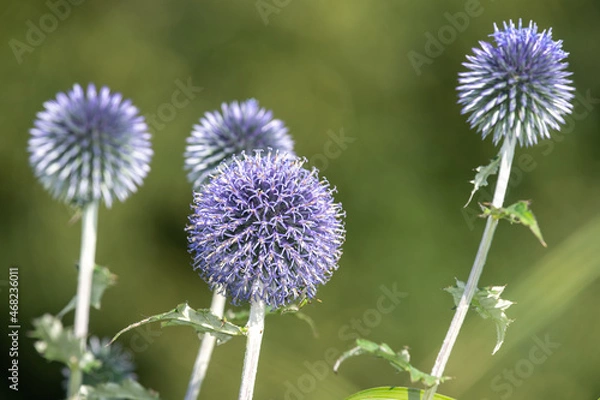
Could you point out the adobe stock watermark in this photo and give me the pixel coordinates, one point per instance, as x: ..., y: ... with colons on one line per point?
x: 319, y: 370
x: 143, y: 336
x: 506, y: 383
x: 332, y: 149
x: 36, y: 33
x: 435, y: 45
x: 267, y: 7
x: 525, y: 162
x: 180, y: 98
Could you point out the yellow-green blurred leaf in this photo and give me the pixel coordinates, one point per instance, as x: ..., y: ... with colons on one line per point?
x: 393, y: 393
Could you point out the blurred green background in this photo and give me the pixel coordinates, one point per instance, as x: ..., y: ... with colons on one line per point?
x: 325, y: 68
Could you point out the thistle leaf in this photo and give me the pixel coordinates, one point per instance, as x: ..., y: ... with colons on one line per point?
x: 488, y: 304
x: 241, y: 316
x: 56, y: 343
x: 294, y: 309
x: 483, y: 173
x: 102, y: 279
x: 399, y: 360
x: 202, y: 321
x: 516, y: 213
x: 127, y: 389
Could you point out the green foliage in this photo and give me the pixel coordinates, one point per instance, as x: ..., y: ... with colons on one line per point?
x: 117, y: 364
x: 516, y: 213
x: 239, y: 317
x: 399, y: 360
x: 201, y: 320
x: 101, y: 280
x: 56, y: 343
x: 483, y: 173
x: 393, y: 393
x: 128, y: 389
x: 488, y: 304
x: 294, y: 310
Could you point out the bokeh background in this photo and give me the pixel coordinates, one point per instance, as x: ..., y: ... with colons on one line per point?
x: 329, y: 69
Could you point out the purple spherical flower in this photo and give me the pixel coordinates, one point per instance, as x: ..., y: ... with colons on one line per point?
x: 519, y: 87
x: 88, y: 146
x: 239, y: 127
x: 266, y: 228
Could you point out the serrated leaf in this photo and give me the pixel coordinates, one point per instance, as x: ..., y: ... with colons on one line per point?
x: 56, y: 343
x: 399, y: 360
x: 241, y: 316
x: 488, y: 304
x: 102, y: 279
x: 294, y: 309
x: 516, y: 213
x: 127, y: 389
x: 483, y: 173
x: 393, y: 393
x: 202, y: 320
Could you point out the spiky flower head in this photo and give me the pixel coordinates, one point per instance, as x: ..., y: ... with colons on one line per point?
x: 266, y: 228
x: 239, y: 127
x: 89, y: 146
x: 519, y: 87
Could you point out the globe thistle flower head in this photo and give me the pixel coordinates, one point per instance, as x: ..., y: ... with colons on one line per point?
x: 239, y: 127
x: 519, y: 87
x: 265, y: 228
x: 89, y: 146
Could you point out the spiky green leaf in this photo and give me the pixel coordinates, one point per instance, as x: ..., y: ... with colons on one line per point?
x: 102, y: 279
x: 239, y: 317
x: 202, y: 321
x: 57, y: 343
x: 399, y: 360
x: 519, y: 213
x: 483, y: 173
x: 488, y: 304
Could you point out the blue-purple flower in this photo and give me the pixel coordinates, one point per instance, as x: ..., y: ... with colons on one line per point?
x: 88, y: 146
x: 266, y: 228
x: 519, y: 87
x: 239, y: 127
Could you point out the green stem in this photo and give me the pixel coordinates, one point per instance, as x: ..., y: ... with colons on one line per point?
x: 217, y: 307
x: 507, y: 154
x: 89, y: 223
x: 75, y: 380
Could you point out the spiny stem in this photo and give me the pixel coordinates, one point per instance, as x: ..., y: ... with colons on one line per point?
x: 217, y: 307
x: 507, y: 154
x: 256, y: 324
x: 89, y: 223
